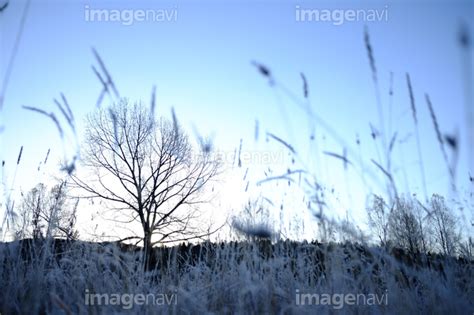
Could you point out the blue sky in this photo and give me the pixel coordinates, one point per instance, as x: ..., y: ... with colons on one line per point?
x: 201, y: 66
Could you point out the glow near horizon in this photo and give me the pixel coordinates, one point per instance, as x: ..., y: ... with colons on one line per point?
x: 201, y: 66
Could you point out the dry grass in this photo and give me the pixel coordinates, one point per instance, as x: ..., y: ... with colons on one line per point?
x: 240, y: 278
x: 417, y: 134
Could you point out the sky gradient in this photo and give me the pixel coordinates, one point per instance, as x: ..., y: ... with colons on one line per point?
x: 201, y: 65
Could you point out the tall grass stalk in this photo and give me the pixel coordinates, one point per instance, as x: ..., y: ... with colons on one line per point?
x: 378, y: 99
x: 439, y: 137
x: 417, y: 135
x: 11, y: 61
x: 465, y: 42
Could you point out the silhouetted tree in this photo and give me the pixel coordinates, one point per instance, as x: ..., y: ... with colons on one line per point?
x: 378, y: 215
x: 47, y: 213
x: 404, y: 227
x: 253, y: 222
x: 148, y: 171
x: 444, y: 223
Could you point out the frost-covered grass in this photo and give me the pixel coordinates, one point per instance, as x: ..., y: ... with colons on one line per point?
x: 253, y: 277
x: 54, y: 277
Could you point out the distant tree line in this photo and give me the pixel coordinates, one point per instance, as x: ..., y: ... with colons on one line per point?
x: 409, y: 224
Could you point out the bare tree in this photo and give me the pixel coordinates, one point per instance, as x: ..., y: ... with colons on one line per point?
x: 444, y: 225
x: 378, y: 215
x: 404, y: 227
x: 148, y: 171
x: 47, y: 213
x: 466, y: 248
x: 421, y: 214
x: 253, y: 222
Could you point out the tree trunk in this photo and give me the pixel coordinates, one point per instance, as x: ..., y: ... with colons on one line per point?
x: 147, y: 252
